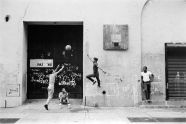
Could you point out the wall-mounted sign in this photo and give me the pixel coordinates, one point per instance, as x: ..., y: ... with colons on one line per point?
x: 41, y: 63
x: 13, y: 90
x: 115, y: 37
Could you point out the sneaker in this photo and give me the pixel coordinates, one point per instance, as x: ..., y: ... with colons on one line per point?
x: 46, y: 106
x: 68, y: 106
x: 149, y: 101
x: 94, y: 82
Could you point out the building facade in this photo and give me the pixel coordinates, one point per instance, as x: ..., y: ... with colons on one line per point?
x: 124, y: 35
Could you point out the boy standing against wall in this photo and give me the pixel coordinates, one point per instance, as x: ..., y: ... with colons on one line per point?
x: 146, y: 77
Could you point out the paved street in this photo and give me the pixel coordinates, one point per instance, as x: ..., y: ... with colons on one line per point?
x: 34, y: 112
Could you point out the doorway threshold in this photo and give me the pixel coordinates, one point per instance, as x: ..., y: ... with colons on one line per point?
x: 53, y: 101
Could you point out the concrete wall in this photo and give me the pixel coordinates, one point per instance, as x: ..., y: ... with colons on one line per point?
x: 163, y: 21
x: 124, y: 65
x: 122, y: 86
x: 11, y: 51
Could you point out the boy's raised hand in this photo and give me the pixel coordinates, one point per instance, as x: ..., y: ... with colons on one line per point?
x: 62, y: 66
x: 89, y: 58
x: 104, y: 72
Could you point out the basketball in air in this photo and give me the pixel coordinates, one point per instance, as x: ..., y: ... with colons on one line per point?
x: 67, y: 47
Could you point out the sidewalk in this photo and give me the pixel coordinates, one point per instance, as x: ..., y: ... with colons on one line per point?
x: 164, y: 104
x: 34, y: 112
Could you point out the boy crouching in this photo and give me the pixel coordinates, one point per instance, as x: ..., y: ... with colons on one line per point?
x: 63, y: 97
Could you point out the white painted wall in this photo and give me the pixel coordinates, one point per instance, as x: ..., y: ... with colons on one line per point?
x: 11, y: 50
x: 94, y: 14
x: 163, y: 21
x: 122, y: 64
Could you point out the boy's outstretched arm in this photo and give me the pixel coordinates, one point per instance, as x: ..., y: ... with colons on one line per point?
x: 89, y: 58
x: 57, y: 68
x: 60, y: 69
x: 102, y: 70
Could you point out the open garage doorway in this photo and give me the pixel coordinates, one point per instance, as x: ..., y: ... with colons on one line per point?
x: 46, y: 50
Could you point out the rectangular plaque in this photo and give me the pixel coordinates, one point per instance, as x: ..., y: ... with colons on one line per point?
x: 13, y: 90
x: 41, y: 63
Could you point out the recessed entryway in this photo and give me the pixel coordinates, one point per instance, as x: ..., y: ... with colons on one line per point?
x: 175, y: 70
x: 46, y: 48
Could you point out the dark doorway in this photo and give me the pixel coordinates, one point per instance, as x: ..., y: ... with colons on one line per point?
x: 46, y: 50
x: 175, y: 70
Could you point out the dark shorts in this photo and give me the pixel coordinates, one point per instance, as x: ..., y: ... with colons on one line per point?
x: 63, y: 101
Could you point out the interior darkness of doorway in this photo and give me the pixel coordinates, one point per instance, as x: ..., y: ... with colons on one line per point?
x: 48, y: 42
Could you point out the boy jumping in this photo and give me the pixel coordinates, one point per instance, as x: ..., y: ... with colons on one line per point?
x: 51, y: 85
x: 95, y: 72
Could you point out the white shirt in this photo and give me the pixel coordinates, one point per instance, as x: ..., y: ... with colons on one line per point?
x: 146, y: 76
x: 52, y: 80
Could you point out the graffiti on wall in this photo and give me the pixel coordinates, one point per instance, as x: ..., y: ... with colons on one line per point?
x: 69, y: 77
x: 39, y: 75
x: 156, y: 88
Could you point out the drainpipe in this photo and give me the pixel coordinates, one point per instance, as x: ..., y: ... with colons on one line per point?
x: 5, y: 103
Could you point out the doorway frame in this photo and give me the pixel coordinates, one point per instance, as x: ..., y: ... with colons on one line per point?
x: 25, y: 28
x: 166, y: 74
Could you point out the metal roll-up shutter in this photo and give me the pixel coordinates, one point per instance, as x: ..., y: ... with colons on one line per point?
x: 176, y: 71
